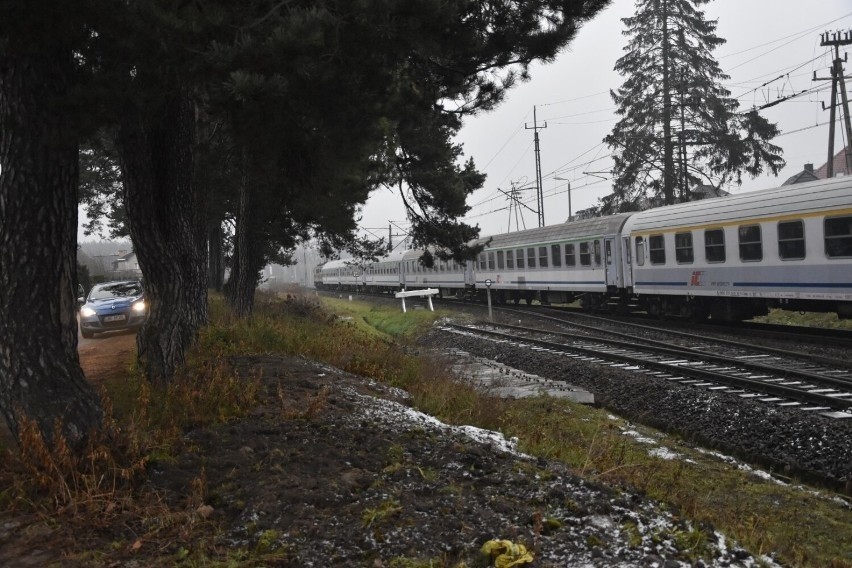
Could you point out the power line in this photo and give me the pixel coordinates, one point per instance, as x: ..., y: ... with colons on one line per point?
x: 799, y: 35
x: 506, y: 143
x: 787, y: 74
x: 575, y: 99
x: 787, y: 98
x: 802, y: 129
x: 610, y: 109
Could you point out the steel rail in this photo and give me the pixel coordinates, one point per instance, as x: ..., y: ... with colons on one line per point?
x: 757, y: 385
x: 774, y: 350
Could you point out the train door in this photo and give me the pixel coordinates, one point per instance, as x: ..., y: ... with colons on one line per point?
x: 627, y: 264
x: 611, y: 256
x: 469, y: 273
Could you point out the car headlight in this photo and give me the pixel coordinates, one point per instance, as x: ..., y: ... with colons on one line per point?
x: 87, y: 312
x: 139, y: 306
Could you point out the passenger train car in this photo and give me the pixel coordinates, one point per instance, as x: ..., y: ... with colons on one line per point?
x: 729, y: 258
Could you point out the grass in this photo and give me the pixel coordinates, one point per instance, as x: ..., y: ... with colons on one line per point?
x: 806, y: 319
x: 802, y: 527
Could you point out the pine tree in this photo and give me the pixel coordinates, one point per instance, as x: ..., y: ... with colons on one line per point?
x: 40, y: 375
x: 679, y: 126
x: 343, y: 77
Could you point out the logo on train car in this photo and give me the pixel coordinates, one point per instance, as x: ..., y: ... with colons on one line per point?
x: 696, y: 278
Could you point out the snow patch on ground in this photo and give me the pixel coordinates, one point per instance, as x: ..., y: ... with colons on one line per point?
x: 400, y: 416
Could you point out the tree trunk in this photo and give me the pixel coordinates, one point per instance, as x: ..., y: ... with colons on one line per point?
x: 40, y: 374
x: 216, y: 255
x: 244, y: 268
x: 668, y: 143
x: 168, y: 229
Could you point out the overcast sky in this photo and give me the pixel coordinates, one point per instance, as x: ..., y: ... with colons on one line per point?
x: 765, y: 40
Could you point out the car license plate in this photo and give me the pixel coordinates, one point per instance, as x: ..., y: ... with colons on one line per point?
x: 114, y: 318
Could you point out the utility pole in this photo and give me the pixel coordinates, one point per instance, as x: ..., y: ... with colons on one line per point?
x: 539, y: 193
x: 837, y: 39
x: 402, y: 233
x: 516, y: 204
x: 305, y: 261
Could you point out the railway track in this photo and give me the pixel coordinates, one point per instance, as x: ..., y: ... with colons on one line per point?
x: 789, y: 333
x: 824, y: 389
x: 712, y: 345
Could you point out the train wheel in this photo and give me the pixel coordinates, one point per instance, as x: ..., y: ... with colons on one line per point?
x: 655, y: 308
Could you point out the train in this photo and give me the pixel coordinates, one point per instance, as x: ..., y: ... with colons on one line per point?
x: 728, y: 258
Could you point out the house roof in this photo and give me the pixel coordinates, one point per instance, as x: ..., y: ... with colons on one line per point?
x: 803, y: 176
x: 704, y: 191
x: 840, y: 167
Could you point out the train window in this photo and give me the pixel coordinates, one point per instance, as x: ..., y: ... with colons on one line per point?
x: 482, y: 261
x: 838, y: 237
x: 510, y: 259
x: 585, y: 255
x: 520, y: 258
x: 542, y: 257
x: 791, y: 240
x: 490, y: 261
x: 499, y: 260
x: 714, y: 245
x: 657, y: 249
x: 530, y: 257
x: 640, y: 251
x: 751, y: 247
x: 597, y: 253
x: 683, y: 248
x: 570, y: 259
x: 556, y: 254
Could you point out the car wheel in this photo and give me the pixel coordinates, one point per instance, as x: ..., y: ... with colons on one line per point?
x: 87, y: 334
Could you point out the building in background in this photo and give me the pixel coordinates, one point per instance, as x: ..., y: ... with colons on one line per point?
x: 841, y: 168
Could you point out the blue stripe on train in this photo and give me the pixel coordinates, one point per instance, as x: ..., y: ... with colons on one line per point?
x: 759, y: 284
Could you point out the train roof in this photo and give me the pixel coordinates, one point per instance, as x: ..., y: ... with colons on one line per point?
x: 594, y: 227
x: 784, y: 201
x: 333, y: 264
x: 415, y: 254
x: 393, y: 256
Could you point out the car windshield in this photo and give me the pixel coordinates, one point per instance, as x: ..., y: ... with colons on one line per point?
x: 116, y: 290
